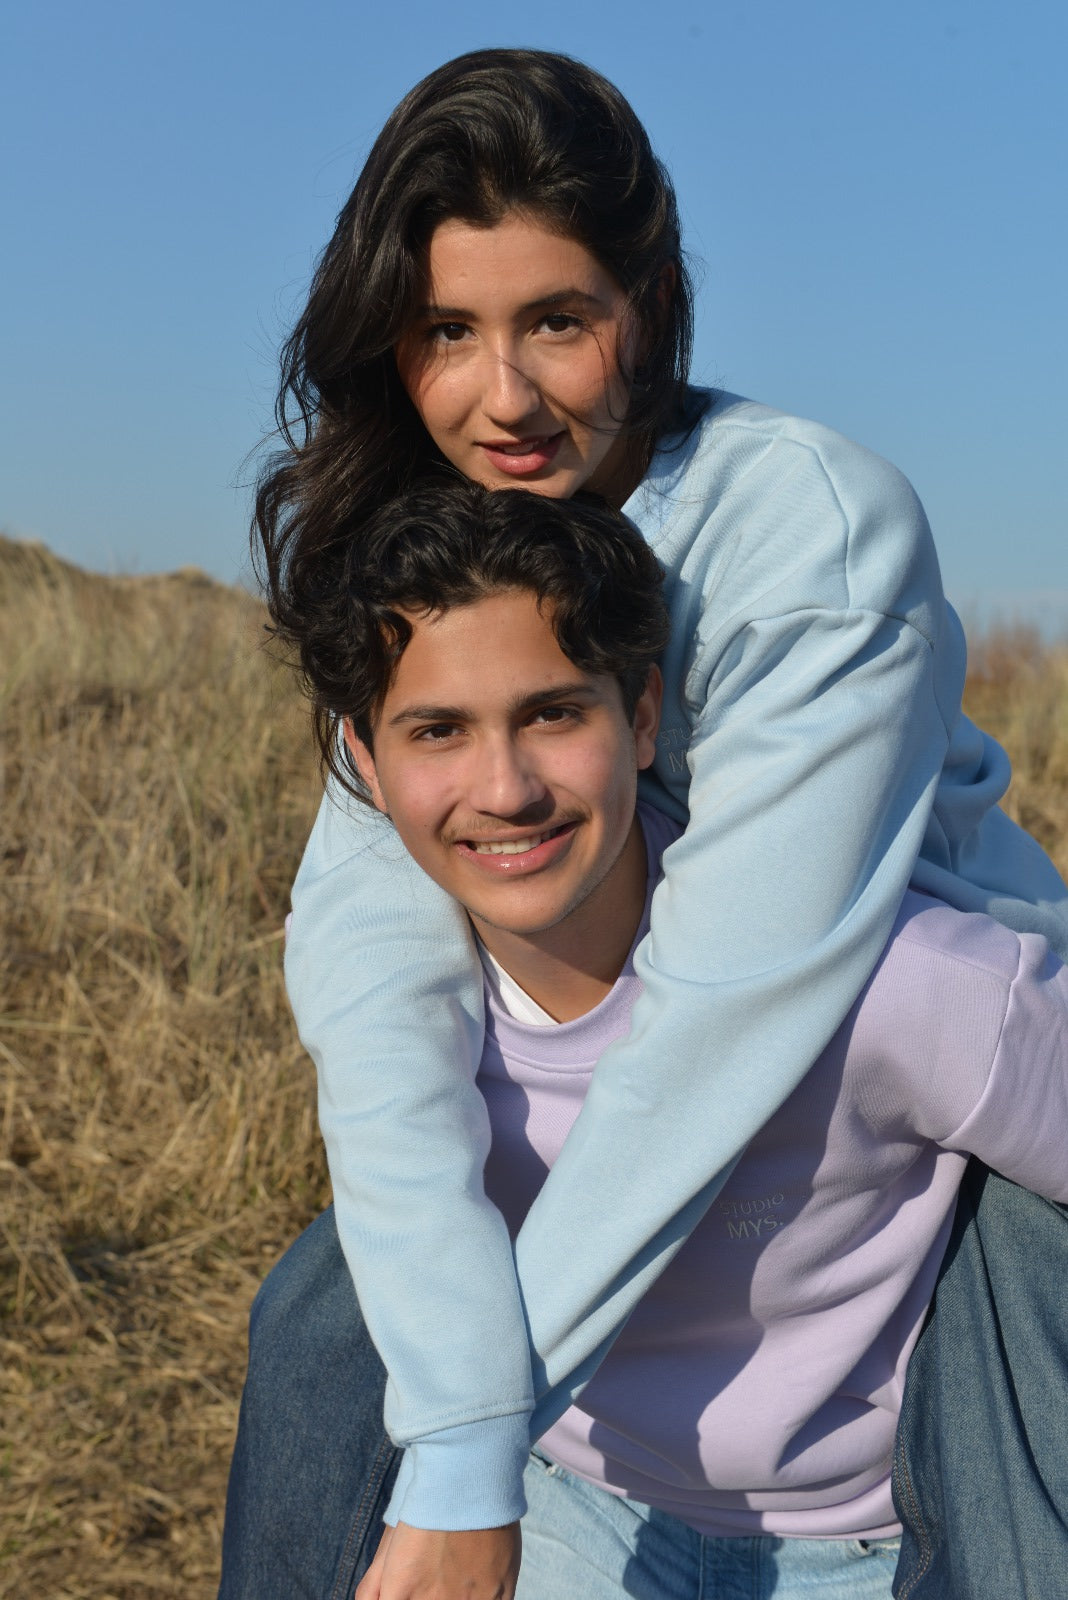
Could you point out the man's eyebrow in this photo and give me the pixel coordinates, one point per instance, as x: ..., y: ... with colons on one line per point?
x: 580, y: 690
x: 430, y: 714
x: 433, y: 312
x: 516, y: 706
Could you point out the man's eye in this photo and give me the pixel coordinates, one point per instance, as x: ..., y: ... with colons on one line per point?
x: 556, y: 714
x: 436, y: 732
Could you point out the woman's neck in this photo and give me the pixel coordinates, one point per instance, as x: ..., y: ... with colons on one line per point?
x: 627, y: 472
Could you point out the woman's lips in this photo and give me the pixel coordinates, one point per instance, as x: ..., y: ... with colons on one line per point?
x: 525, y: 456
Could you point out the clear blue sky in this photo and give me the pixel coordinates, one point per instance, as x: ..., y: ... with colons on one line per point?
x: 874, y: 194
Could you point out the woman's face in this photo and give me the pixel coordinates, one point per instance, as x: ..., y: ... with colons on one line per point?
x: 518, y: 359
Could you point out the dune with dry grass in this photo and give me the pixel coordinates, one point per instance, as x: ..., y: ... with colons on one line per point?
x: 158, y: 1145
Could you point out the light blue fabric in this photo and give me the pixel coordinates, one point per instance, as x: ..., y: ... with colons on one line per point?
x: 579, y: 1540
x: 812, y: 727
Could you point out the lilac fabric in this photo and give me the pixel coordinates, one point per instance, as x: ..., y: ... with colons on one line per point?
x: 756, y: 1387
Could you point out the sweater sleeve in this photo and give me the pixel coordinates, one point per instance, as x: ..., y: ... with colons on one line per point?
x: 961, y: 1040
x: 387, y: 993
x: 1018, y: 1123
x: 813, y: 765
x: 815, y: 741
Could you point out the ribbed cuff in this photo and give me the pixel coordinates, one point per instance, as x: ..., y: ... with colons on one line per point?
x: 470, y: 1476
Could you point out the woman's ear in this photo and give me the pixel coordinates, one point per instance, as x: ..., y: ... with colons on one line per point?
x: 666, y: 281
x: 647, y: 718
x: 365, y: 765
x: 659, y: 304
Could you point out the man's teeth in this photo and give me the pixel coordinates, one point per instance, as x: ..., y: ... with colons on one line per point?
x: 512, y: 847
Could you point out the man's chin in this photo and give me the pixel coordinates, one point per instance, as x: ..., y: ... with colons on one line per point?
x: 519, y: 927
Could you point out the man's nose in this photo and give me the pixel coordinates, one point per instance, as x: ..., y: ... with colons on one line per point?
x: 506, y: 781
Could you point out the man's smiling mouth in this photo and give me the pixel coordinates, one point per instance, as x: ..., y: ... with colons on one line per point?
x: 513, y: 847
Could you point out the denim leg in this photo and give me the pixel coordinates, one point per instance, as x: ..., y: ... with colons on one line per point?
x: 582, y: 1543
x: 313, y: 1469
x: 981, y: 1467
x: 824, y: 1569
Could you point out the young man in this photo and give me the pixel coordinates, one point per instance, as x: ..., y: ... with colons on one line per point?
x: 493, y: 667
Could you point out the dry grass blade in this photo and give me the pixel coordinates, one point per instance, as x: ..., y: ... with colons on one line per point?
x: 1018, y: 690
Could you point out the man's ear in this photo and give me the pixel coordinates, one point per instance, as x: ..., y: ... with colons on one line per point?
x: 365, y: 764
x: 647, y: 718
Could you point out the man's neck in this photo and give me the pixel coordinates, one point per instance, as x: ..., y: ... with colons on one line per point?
x: 569, y: 969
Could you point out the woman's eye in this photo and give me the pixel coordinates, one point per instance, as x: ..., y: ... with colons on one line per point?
x: 446, y: 332
x: 561, y: 322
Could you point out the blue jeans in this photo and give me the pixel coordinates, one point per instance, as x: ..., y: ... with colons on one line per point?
x: 980, y: 1475
x: 312, y: 1470
x: 582, y: 1543
x: 981, y: 1466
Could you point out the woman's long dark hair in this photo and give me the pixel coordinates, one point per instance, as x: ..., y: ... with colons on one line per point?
x: 491, y: 131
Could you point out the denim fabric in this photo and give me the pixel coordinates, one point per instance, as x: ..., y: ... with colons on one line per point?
x: 313, y: 1469
x: 981, y: 1474
x: 582, y: 1543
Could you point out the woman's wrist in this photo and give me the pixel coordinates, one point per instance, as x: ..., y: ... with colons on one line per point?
x: 464, y: 1478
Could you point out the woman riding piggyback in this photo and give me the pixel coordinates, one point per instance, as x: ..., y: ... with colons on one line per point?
x: 505, y: 297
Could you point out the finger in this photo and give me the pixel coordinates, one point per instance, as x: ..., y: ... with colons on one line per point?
x: 370, y: 1585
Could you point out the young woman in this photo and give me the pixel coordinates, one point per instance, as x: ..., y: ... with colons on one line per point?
x: 504, y: 296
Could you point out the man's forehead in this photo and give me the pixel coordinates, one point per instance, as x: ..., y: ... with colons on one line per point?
x: 500, y: 647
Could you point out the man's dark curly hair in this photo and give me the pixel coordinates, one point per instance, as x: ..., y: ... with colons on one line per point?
x: 452, y: 543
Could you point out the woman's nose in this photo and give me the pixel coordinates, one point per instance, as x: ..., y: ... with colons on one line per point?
x: 511, y: 394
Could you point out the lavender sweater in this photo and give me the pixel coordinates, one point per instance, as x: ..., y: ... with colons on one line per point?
x: 812, y: 731
x: 756, y: 1386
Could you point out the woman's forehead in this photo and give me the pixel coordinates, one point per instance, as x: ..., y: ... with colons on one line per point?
x: 520, y: 258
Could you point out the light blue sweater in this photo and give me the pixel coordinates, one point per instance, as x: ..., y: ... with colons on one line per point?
x: 812, y: 730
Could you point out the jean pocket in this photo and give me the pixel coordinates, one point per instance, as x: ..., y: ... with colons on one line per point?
x: 890, y: 1546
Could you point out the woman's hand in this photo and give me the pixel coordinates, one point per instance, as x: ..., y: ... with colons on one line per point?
x: 425, y: 1564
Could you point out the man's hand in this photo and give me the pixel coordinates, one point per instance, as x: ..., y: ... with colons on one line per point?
x: 424, y: 1564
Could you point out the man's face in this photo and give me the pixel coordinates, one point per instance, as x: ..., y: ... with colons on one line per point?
x: 509, y: 773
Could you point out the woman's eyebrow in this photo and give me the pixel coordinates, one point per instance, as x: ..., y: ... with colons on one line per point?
x: 563, y: 297
x: 546, y: 302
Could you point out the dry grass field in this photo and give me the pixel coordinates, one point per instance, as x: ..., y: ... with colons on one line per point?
x: 158, y: 1145
x: 157, y: 1136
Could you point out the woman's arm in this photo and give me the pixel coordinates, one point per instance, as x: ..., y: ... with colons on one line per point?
x: 813, y: 767
x: 414, y: 1564
x: 818, y: 672
x: 814, y: 676
x: 387, y: 993
x: 727, y: 1027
